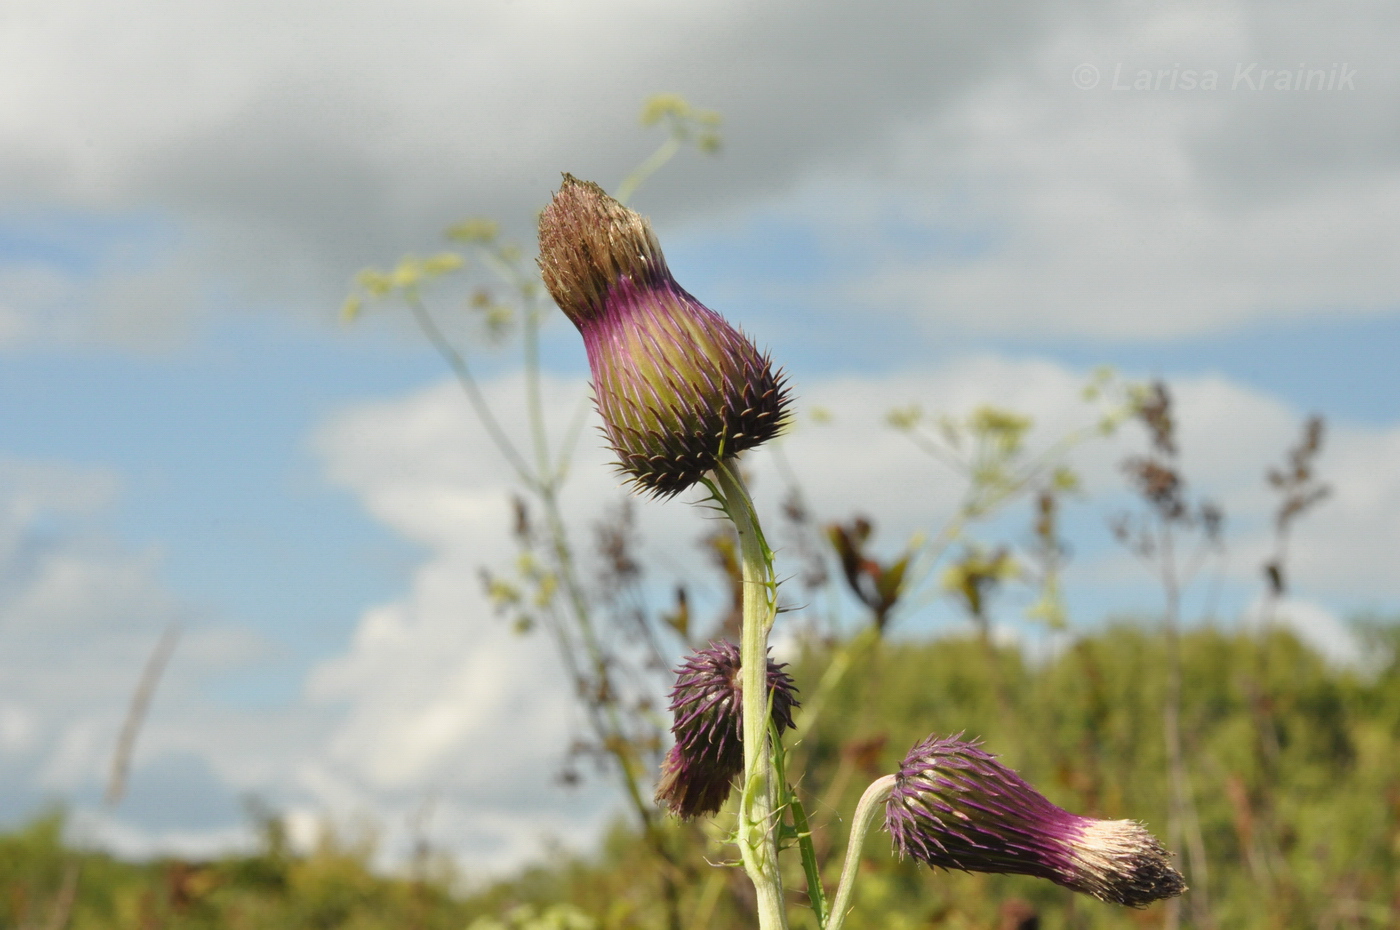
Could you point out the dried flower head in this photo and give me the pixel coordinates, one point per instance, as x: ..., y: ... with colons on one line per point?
x: 698, y: 772
x: 954, y: 806
x: 678, y: 388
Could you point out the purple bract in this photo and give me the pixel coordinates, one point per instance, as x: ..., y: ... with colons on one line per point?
x: 700, y: 769
x: 678, y: 388
x: 954, y: 806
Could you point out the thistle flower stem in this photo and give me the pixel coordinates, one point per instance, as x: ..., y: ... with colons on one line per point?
x: 869, y: 808
x: 757, y: 829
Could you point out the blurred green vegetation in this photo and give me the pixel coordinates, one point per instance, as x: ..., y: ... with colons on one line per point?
x: 1295, y: 769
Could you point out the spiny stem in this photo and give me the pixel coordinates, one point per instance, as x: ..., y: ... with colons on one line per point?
x: 757, y: 828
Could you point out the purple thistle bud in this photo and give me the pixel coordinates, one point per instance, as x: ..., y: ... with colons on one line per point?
x: 700, y: 769
x: 678, y: 388
x: 955, y: 806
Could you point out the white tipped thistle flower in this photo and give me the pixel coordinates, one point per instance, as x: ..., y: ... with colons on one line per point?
x: 679, y: 389
x: 954, y: 806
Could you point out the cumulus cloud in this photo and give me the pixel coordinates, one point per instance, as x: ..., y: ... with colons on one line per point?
x: 941, y: 162
x: 1315, y: 625
x: 290, y: 156
x: 435, y: 703
x: 78, y: 615
x: 435, y: 693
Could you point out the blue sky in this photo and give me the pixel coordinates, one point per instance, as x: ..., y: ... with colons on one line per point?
x: 914, y: 206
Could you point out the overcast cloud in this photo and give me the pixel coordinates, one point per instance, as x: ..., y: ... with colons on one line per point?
x: 942, y: 157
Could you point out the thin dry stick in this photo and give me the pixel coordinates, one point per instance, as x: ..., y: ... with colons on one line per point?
x: 1184, y: 825
x: 121, y: 762
x: 136, y: 713
x: 67, y: 893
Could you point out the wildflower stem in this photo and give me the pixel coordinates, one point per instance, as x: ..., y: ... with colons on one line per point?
x: 801, y: 827
x: 757, y: 828
x: 664, y: 153
x: 867, y: 810
x: 539, y: 434
x: 483, y: 411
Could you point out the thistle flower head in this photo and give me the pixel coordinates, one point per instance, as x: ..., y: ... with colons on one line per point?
x: 700, y: 769
x: 678, y: 388
x: 954, y: 806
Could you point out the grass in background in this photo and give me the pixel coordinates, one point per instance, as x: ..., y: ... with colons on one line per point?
x: 1273, y: 734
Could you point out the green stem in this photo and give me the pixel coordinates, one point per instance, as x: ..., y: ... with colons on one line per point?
x: 544, y: 483
x: 612, y: 731
x: 664, y: 153
x: 534, y: 404
x: 871, y: 803
x: 811, y: 868
x: 757, y: 828
x: 458, y: 364
x: 801, y: 829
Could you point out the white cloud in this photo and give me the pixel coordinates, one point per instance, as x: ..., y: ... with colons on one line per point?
x: 79, y: 616
x: 17, y: 728
x: 1031, y: 207
x: 943, y: 158
x: 1228, y: 433
x: 438, y: 696
x: 1315, y: 625
x: 435, y: 701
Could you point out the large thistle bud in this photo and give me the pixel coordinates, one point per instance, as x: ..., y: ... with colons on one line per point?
x: 679, y: 389
x: 707, y: 704
x: 954, y: 806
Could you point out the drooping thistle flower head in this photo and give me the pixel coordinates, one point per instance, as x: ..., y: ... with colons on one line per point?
x: 708, y: 756
x: 678, y: 388
x: 954, y: 806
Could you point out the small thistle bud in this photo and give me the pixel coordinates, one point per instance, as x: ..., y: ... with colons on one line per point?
x: 700, y: 769
x: 678, y: 388
x: 954, y: 806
